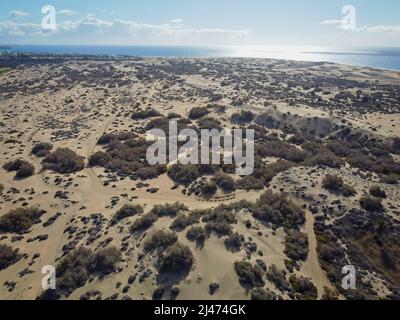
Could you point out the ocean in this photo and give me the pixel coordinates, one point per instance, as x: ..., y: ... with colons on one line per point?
x: 378, y: 57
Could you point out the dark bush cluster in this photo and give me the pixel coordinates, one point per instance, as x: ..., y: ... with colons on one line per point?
x: 249, y: 275
x: 143, y: 223
x: 176, y: 259
x: 20, y: 220
x: 278, y: 210
x: 127, y: 158
x: 278, y: 278
x: 115, y: 137
x: 169, y: 210
x: 160, y: 240
x: 145, y: 114
x: 372, y: 204
x: 8, y: 256
x: 183, y: 174
x: 250, y: 183
x: 63, y: 160
x: 377, y: 192
x: 197, y: 234
x: 209, y: 123
x: 304, y: 288
x: 197, y: 113
x: 184, y: 221
x: 220, y: 220
x: 23, y: 168
x: 76, y: 268
x: 42, y: 149
x: 234, y: 242
x: 208, y: 189
x: 127, y: 211
x: 296, y: 245
x: 225, y: 182
x: 242, y: 118
x: 335, y: 184
x: 261, y: 294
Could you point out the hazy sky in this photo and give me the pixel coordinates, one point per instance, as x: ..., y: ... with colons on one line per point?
x: 201, y: 22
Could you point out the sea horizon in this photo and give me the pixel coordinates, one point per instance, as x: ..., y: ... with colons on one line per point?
x: 375, y: 57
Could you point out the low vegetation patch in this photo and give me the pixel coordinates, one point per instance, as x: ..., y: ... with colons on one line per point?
x: 22, y: 168
x: 20, y: 220
x: 8, y: 256
x: 296, y: 245
x: 177, y: 259
x: 42, y: 149
x: 63, y: 161
x: 372, y: 204
x: 127, y: 211
x: 335, y: 184
x: 160, y: 240
x: 277, y: 209
x: 249, y: 275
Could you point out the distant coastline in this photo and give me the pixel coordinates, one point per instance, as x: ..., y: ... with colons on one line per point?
x: 374, y: 57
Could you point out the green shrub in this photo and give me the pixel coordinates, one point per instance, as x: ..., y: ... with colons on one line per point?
x: 20, y: 220
x: 8, y: 256
x: 160, y: 240
x: 63, y: 160
x: 177, y: 258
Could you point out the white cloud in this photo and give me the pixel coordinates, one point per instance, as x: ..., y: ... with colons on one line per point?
x: 18, y: 14
x: 379, y: 29
x: 330, y: 22
x: 66, y: 12
x: 93, y: 25
x: 176, y: 21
